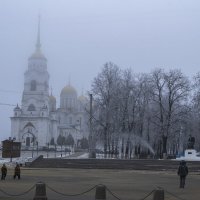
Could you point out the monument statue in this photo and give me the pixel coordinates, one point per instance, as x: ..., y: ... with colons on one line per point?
x: 190, y: 153
x: 191, y: 141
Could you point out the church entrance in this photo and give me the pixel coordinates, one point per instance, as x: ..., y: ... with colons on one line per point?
x: 28, y: 141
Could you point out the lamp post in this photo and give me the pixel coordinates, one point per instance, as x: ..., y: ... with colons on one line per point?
x: 47, y: 150
x: 55, y: 150
x: 34, y: 142
x: 65, y: 150
x: 33, y: 146
x: 37, y: 147
x: 61, y: 148
x: 32, y: 151
x: 92, y: 153
x: 11, y: 147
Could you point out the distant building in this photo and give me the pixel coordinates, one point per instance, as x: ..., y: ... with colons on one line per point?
x: 38, y: 120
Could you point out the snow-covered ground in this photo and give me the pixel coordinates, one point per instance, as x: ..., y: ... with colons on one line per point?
x: 83, y: 156
x: 28, y: 156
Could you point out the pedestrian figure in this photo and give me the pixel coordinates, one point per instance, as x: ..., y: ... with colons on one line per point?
x: 182, y: 172
x: 17, y: 171
x: 3, y: 172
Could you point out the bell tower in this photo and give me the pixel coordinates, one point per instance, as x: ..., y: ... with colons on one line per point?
x: 31, y: 123
x: 36, y: 81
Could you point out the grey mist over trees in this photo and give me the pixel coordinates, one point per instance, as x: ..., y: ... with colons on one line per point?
x: 145, y: 113
x: 79, y: 36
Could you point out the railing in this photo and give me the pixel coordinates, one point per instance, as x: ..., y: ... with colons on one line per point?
x: 100, y: 194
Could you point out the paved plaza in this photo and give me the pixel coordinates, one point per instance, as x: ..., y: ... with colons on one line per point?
x: 124, y: 184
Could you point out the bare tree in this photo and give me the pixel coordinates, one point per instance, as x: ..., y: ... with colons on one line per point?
x: 170, y: 92
x: 105, y: 89
x: 152, y: 107
x: 135, y: 111
x: 194, y: 121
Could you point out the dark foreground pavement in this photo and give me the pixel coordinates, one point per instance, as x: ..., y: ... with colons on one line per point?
x: 125, y: 184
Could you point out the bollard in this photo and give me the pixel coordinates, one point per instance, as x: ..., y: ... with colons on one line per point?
x: 100, y: 192
x: 40, y: 192
x: 158, y: 194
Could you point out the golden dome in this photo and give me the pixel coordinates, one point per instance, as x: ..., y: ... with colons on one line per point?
x: 37, y: 55
x: 52, y: 98
x: 82, y: 98
x: 68, y: 90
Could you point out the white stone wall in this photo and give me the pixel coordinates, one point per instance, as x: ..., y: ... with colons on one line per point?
x: 15, y: 128
x: 43, y: 124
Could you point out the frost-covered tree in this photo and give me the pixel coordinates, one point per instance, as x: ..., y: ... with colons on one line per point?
x: 135, y: 112
x: 170, y: 93
x: 105, y: 89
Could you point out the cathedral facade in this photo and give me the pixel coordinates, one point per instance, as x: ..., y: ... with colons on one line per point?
x: 38, y: 121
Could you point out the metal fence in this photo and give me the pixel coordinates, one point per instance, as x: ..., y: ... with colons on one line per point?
x: 100, y: 193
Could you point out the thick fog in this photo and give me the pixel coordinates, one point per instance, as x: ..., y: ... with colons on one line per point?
x: 79, y: 36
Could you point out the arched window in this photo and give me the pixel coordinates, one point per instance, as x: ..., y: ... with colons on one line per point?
x: 28, y: 141
x: 31, y: 107
x: 29, y: 124
x: 33, y: 85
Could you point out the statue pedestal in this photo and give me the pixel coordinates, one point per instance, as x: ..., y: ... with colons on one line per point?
x: 190, y: 153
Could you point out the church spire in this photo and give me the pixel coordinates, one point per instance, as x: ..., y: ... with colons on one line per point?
x: 69, y: 81
x: 51, y: 91
x: 38, y: 53
x: 38, y: 44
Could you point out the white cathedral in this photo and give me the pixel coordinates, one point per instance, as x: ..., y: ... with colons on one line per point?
x: 38, y: 120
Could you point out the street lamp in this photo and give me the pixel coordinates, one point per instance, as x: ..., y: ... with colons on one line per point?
x: 55, y: 150
x: 47, y: 150
x: 61, y: 148
x: 33, y: 146
x: 92, y: 153
x: 37, y: 147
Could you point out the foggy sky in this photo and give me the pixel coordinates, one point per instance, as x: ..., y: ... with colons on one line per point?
x: 79, y: 36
